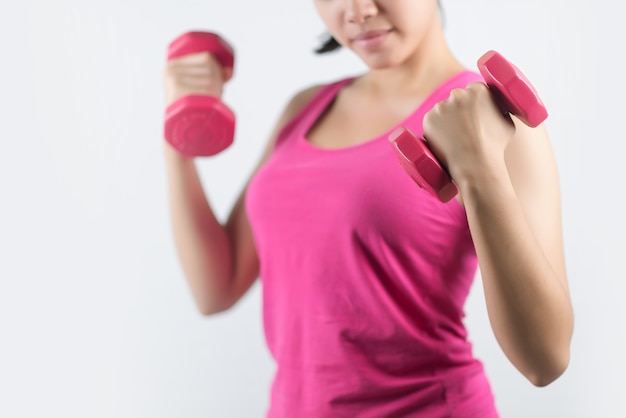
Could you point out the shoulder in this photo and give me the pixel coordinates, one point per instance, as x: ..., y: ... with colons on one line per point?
x: 308, y: 94
x: 295, y: 105
x: 299, y: 100
x: 290, y: 112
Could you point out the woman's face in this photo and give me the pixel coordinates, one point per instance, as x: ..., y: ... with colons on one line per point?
x: 382, y: 33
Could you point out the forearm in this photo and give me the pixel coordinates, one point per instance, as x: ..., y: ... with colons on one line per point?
x: 527, y: 303
x: 202, y: 243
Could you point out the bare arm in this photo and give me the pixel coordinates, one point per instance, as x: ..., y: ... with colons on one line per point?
x: 219, y: 260
x: 510, y: 189
x: 202, y: 244
x: 514, y: 215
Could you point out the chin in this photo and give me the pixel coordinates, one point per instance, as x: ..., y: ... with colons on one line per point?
x: 380, y: 62
x: 380, y: 59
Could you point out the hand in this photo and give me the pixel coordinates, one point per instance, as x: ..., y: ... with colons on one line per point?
x: 193, y: 74
x: 468, y: 132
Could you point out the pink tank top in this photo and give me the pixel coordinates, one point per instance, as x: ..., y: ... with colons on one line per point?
x: 364, y: 277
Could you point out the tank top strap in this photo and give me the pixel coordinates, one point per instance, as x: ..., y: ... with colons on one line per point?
x: 310, y: 112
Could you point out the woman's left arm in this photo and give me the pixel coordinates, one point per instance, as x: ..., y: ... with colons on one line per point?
x: 510, y: 191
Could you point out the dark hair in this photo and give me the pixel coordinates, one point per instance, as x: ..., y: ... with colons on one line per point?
x: 330, y: 44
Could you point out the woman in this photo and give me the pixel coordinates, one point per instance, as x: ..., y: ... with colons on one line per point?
x: 364, y: 274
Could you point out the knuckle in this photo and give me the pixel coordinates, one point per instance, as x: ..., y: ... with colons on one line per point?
x: 438, y: 108
x: 478, y: 89
x: 205, y: 58
x: 457, y: 94
x: 170, y: 77
x: 169, y: 68
x: 430, y: 117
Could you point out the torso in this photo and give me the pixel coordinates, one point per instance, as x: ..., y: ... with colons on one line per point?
x: 357, y: 261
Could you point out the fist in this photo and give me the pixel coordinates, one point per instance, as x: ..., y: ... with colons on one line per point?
x: 194, y: 74
x: 468, y: 131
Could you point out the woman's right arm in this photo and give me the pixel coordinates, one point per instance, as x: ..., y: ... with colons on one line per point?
x: 219, y: 261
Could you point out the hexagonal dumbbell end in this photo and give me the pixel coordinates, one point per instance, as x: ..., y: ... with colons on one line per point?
x: 512, y: 90
x: 420, y: 163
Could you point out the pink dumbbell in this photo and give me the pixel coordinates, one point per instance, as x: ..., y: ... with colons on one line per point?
x: 200, y: 125
x: 513, y: 93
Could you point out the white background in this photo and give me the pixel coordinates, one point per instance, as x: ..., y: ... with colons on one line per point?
x: 95, y: 317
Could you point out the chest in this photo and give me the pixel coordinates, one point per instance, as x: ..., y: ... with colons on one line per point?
x: 349, y: 121
x: 302, y: 203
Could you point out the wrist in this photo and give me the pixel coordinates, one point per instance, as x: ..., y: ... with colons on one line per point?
x: 485, y: 177
x: 174, y: 156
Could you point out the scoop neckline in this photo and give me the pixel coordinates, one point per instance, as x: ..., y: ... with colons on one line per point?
x: 332, y: 95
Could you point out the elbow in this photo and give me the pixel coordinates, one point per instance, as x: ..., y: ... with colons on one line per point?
x: 214, y: 300
x: 552, y: 360
x: 213, y: 306
x: 210, y: 309
x: 548, y: 372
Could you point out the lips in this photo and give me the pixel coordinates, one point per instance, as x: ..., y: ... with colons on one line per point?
x: 370, y: 34
x: 370, y: 40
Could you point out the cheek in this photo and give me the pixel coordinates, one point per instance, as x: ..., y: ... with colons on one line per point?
x: 331, y: 15
x: 413, y: 17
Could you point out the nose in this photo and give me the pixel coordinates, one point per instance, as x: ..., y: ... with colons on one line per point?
x: 358, y: 11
